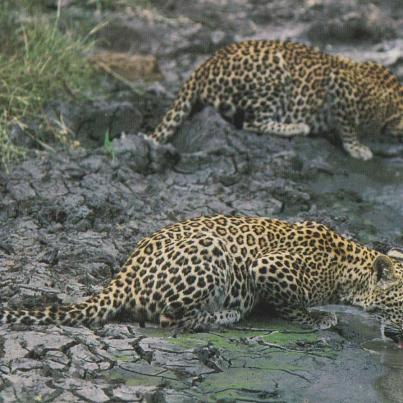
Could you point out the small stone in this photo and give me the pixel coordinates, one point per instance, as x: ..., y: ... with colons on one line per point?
x: 93, y: 394
x: 135, y: 393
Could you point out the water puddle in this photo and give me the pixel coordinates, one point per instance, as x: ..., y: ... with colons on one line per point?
x: 367, y: 194
x: 360, y: 328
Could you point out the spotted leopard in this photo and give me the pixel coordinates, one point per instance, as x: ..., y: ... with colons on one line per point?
x: 290, y: 89
x: 211, y: 271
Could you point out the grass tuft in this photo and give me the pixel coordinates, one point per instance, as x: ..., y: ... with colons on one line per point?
x: 102, y: 5
x: 38, y: 63
x: 108, y: 146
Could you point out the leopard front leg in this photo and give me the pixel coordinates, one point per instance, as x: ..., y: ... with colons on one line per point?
x: 345, y: 113
x: 312, y: 320
x: 351, y: 143
x: 281, y: 282
x: 349, y: 137
x: 357, y: 150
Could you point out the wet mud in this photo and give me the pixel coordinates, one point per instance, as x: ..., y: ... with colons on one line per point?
x: 69, y: 219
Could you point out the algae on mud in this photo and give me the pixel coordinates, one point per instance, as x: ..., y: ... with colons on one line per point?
x: 226, y: 364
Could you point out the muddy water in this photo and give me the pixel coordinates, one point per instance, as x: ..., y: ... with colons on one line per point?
x: 369, y: 196
x: 390, y: 385
x: 368, y: 199
x: 363, y: 330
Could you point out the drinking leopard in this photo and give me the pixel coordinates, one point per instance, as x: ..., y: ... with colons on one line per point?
x: 290, y: 89
x: 209, y: 271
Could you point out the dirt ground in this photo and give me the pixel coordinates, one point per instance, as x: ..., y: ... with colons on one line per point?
x: 69, y: 219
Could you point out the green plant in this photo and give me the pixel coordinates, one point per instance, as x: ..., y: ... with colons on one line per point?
x: 108, y: 146
x: 38, y: 63
x: 118, y: 4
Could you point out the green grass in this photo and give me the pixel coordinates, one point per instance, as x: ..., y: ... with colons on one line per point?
x: 38, y: 63
x: 102, y: 5
x: 108, y: 146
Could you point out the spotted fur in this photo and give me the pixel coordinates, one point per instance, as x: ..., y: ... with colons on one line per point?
x: 290, y: 89
x: 214, y: 270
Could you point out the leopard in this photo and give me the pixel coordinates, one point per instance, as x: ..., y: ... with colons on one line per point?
x: 287, y: 89
x: 213, y: 271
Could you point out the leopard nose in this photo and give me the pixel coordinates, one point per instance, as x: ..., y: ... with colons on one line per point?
x: 395, y: 334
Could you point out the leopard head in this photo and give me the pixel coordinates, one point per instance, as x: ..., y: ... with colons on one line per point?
x: 386, y: 301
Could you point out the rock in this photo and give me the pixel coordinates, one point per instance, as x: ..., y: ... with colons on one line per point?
x: 99, y: 120
x: 29, y: 386
x: 85, y: 363
x: 364, y: 24
x: 143, y: 155
x: 166, y: 355
x: 126, y: 66
x: 17, y: 345
x: 86, y: 389
x: 136, y: 393
x: 266, y: 207
x: 68, y: 397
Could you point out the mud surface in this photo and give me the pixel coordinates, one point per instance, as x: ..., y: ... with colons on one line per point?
x: 68, y: 220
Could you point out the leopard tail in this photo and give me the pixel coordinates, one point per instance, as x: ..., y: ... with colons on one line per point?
x: 185, y: 103
x: 98, y: 308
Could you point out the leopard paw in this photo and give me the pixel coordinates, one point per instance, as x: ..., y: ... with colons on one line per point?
x: 326, y: 321
x: 296, y: 129
x: 302, y: 129
x: 359, y: 151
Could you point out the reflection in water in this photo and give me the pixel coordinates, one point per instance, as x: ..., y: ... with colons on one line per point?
x: 390, y: 385
x: 362, y: 329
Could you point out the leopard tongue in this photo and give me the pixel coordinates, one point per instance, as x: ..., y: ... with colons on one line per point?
x: 400, y: 344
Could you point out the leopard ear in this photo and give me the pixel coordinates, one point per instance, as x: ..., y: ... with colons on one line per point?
x: 384, y: 268
x: 395, y: 253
